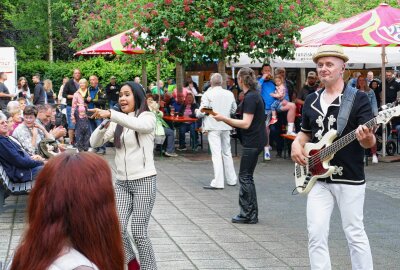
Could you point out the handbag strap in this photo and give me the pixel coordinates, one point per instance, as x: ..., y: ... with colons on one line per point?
x: 345, y: 108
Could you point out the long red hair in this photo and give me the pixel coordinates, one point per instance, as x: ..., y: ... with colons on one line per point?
x: 72, y: 204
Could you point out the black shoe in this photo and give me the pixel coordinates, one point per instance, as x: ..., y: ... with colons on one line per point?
x: 243, y: 220
x: 211, y: 187
x: 181, y: 148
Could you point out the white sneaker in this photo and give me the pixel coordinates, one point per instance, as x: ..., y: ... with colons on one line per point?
x: 375, y: 159
x: 291, y: 133
x: 267, y: 156
x: 170, y: 154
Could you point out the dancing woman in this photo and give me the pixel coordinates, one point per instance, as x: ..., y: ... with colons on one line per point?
x: 132, y: 130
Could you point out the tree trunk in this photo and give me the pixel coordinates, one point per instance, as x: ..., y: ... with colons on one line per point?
x: 158, y: 76
x: 221, y: 70
x: 144, y: 74
x: 179, y: 76
x: 51, y: 58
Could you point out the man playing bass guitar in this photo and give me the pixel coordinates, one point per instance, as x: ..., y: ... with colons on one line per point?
x: 346, y: 183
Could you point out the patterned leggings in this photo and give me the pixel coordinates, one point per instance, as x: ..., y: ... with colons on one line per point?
x: 135, y: 198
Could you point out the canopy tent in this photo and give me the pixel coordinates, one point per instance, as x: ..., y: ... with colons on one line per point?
x: 114, y: 45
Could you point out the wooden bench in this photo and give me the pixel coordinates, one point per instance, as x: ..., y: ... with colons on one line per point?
x: 287, y: 143
x: 8, y: 187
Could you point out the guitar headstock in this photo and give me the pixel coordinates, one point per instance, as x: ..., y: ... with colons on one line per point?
x: 385, y: 115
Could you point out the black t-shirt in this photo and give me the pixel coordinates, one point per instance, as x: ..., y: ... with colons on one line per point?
x: 348, y: 162
x: 4, y: 100
x: 392, y: 88
x: 70, y: 89
x: 306, y: 90
x: 255, y: 136
x: 112, y: 91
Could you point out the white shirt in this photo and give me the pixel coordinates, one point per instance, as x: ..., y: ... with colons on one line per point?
x: 221, y: 101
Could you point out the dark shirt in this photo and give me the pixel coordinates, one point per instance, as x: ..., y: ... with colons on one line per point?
x: 112, y: 91
x: 50, y: 97
x: 16, y: 162
x: 4, y: 100
x: 98, y: 97
x: 70, y: 89
x: 255, y: 136
x: 306, y: 90
x: 349, y: 160
x: 39, y: 94
x: 392, y: 87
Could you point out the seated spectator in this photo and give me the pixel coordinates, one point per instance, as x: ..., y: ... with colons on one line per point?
x: 171, y: 86
x: 158, y: 90
x: 22, y: 104
x: 72, y: 218
x: 184, y: 92
x: 162, y: 128
x: 166, y: 102
x: 30, y: 133
x: 18, y: 164
x: 188, y: 110
x: 178, y: 102
x: 14, y: 115
x: 281, y: 104
x: 191, y: 86
x: 44, y: 118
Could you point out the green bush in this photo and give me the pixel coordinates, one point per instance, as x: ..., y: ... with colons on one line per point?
x: 124, y: 70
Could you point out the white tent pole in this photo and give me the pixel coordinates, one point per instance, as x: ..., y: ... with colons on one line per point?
x: 383, y: 77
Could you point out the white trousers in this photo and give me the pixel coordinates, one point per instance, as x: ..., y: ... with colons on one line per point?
x: 320, y: 203
x: 220, y: 144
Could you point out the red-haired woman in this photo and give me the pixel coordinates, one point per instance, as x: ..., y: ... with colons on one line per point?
x: 132, y: 130
x: 72, y: 218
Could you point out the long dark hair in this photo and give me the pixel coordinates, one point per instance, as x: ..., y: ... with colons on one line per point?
x: 75, y: 209
x: 140, y: 106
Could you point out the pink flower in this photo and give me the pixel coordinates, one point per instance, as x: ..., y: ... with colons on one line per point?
x: 280, y: 8
x: 165, y: 40
x: 186, y: 8
x: 252, y: 44
x: 168, y: 2
x: 225, y: 44
x: 198, y: 35
x: 267, y: 32
x: 181, y: 24
x: 270, y: 50
x: 298, y: 2
x: 231, y: 8
x: 291, y: 7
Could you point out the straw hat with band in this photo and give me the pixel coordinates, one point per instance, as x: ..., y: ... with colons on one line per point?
x: 330, y: 50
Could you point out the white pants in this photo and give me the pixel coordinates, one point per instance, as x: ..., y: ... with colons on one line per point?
x: 220, y: 144
x: 320, y: 203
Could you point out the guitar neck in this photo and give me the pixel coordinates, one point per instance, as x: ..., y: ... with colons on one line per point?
x: 343, y: 141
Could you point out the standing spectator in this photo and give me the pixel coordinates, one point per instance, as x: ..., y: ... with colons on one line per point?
x: 159, y: 89
x: 68, y: 92
x: 376, y: 86
x: 79, y: 116
x: 50, y: 95
x: 267, y: 87
x: 370, y: 77
x: 137, y: 80
x: 219, y: 138
x: 171, y: 85
x: 363, y: 86
x: 353, y: 81
x: 392, y: 87
x: 251, y: 128
x: 96, y: 99
x: 39, y: 94
x: 62, y: 100
x: 231, y: 86
x: 112, y: 91
x: 192, y: 86
x: 23, y: 90
x: 30, y: 133
x: 310, y: 87
x: 133, y: 132
x: 5, y: 95
x: 67, y: 208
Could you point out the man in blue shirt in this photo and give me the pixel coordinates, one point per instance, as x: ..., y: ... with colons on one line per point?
x: 267, y: 87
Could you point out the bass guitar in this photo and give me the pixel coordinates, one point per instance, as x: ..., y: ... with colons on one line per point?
x: 319, y: 154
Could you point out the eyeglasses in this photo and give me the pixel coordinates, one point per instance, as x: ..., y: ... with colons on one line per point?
x: 4, y: 122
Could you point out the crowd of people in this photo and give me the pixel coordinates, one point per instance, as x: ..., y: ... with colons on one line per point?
x: 34, y: 127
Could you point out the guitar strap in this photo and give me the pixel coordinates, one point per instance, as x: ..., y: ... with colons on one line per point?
x: 345, y: 108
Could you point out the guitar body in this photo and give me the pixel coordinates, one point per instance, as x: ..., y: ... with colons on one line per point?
x: 317, y: 167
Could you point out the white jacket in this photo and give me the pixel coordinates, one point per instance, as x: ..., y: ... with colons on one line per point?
x: 221, y: 101
x: 132, y: 161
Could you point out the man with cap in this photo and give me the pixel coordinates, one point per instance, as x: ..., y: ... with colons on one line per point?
x: 346, y: 185
x: 309, y: 87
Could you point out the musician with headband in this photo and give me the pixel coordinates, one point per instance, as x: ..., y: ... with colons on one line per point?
x: 345, y: 183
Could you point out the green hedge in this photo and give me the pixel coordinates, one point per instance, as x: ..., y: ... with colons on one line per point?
x: 122, y: 69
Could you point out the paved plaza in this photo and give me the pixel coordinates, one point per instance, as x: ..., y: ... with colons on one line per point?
x: 191, y: 228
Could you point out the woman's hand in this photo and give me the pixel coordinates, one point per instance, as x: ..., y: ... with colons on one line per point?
x: 218, y: 117
x: 98, y: 113
x: 37, y: 158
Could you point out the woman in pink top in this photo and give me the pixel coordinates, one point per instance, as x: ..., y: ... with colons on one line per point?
x: 80, y: 118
